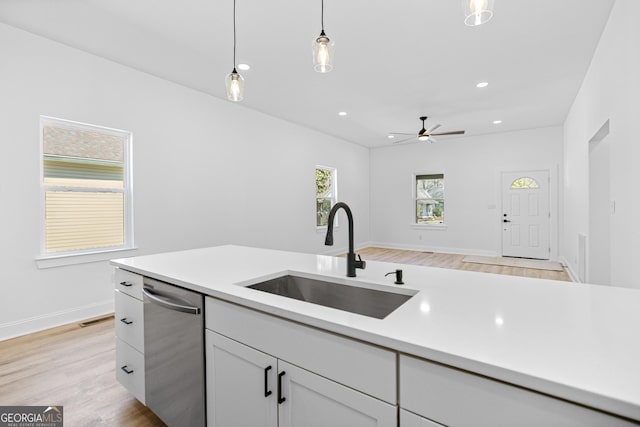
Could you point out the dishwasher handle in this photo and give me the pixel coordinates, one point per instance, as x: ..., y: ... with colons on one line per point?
x: 159, y: 300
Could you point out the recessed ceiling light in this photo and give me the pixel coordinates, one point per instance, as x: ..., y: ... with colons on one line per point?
x: 391, y: 136
x: 244, y: 67
x: 497, y: 122
x: 342, y: 113
x: 482, y: 84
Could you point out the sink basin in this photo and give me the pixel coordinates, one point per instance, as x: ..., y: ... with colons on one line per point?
x: 354, y: 299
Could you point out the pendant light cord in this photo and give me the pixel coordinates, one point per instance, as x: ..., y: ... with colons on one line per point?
x: 321, y: 15
x: 234, y: 35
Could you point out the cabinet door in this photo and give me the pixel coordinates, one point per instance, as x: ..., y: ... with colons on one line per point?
x: 241, y: 384
x: 314, y: 401
x: 409, y: 419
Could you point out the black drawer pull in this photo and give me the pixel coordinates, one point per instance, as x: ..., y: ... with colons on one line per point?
x: 125, y: 321
x: 267, y: 392
x: 281, y: 398
x: 126, y: 284
x: 128, y: 371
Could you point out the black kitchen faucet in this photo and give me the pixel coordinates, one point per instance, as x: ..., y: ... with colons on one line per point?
x: 352, y: 262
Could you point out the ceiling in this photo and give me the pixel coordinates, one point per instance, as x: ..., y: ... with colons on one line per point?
x: 395, y: 60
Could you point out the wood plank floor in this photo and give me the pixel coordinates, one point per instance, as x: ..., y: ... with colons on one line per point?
x: 75, y: 367
x: 454, y: 261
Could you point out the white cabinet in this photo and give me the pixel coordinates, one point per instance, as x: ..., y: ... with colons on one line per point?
x: 128, y: 283
x: 241, y: 384
x: 130, y: 369
x: 457, y: 398
x: 129, y: 325
x: 361, y: 366
x: 314, y: 401
x: 266, y: 371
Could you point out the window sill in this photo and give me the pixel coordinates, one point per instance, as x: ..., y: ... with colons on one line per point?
x: 440, y: 227
x: 323, y: 229
x: 51, y: 261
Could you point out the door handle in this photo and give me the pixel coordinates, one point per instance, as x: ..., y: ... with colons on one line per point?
x: 156, y: 299
x: 281, y: 398
x: 125, y: 321
x: 506, y: 220
x: 267, y: 392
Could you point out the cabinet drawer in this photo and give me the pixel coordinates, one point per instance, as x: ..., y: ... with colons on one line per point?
x: 457, y: 398
x: 129, y: 283
x: 361, y: 366
x: 130, y: 369
x: 129, y: 320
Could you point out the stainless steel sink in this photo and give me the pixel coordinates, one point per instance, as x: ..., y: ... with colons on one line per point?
x: 355, y: 299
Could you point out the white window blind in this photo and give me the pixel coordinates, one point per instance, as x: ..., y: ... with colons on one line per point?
x: 86, y: 187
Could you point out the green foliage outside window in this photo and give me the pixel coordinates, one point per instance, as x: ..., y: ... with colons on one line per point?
x: 325, y: 194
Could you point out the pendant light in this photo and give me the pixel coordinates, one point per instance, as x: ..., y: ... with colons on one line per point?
x: 322, y: 49
x: 477, y: 12
x: 234, y: 81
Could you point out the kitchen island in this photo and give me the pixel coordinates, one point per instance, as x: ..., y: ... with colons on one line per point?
x: 539, y: 341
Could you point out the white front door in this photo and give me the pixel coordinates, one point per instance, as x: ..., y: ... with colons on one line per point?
x: 525, y: 214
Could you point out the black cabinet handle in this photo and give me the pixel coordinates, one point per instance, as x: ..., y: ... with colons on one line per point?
x: 281, y: 398
x: 126, y: 284
x: 267, y: 392
x: 128, y: 371
x: 506, y: 220
x: 125, y: 321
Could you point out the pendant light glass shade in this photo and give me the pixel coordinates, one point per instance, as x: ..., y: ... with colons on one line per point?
x: 477, y: 12
x: 235, y: 86
x: 322, y: 53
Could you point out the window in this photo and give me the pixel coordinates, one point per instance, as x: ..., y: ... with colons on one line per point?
x: 524, y: 183
x: 86, y: 188
x: 326, y: 193
x: 429, y: 197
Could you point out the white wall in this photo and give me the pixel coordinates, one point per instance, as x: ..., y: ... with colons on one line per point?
x: 206, y: 172
x: 472, y: 168
x: 610, y: 91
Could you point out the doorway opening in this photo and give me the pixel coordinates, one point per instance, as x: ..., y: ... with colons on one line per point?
x: 598, y: 268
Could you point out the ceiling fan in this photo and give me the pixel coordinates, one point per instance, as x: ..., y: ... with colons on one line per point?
x: 424, y: 134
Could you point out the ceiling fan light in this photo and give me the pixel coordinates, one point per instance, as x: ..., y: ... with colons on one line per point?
x: 323, y: 53
x: 235, y: 86
x: 423, y: 137
x: 477, y: 12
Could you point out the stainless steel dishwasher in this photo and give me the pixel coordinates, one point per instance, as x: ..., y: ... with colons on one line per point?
x: 174, y: 353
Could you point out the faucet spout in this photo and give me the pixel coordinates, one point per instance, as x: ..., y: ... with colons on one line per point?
x: 352, y: 262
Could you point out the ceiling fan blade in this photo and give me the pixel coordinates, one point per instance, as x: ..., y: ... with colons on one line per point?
x: 457, y: 132
x: 400, y: 133
x: 432, y: 140
x: 403, y: 140
x: 432, y: 128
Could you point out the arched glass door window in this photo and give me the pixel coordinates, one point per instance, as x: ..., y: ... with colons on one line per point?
x: 524, y: 183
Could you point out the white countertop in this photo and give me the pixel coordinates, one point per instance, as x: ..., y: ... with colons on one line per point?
x: 574, y: 341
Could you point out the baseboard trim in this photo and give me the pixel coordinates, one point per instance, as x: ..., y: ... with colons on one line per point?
x: 436, y: 249
x: 572, y: 274
x: 51, y: 320
x: 339, y: 251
